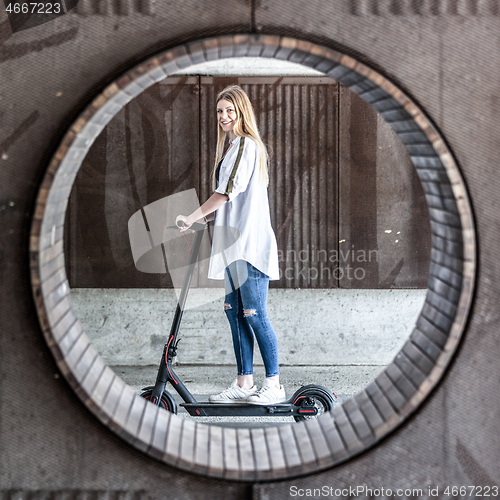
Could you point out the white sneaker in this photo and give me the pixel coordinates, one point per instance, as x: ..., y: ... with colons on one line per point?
x: 233, y: 394
x: 268, y: 394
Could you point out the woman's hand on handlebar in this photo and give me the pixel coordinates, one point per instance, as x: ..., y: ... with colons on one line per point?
x: 183, y: 222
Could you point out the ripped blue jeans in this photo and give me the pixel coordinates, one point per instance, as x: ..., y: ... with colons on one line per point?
x: 246, y: 309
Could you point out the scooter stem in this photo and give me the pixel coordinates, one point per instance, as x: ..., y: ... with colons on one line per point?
x: 166, y: 372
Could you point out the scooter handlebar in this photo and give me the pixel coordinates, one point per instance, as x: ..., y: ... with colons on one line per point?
x: 196, y: 226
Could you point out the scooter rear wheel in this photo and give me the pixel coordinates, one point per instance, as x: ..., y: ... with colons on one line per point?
x: 167, y: 402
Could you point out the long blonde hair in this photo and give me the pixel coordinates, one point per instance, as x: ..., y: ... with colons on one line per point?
x: 245, y: 126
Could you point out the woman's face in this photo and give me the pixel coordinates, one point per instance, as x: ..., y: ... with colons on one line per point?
x: 226, y: 115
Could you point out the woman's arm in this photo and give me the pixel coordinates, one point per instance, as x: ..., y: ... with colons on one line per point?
x: 209, y: 207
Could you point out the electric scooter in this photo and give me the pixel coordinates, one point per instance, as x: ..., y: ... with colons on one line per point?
x: 307, y: 402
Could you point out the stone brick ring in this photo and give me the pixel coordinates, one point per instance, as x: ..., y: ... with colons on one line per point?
x: 285, y: 451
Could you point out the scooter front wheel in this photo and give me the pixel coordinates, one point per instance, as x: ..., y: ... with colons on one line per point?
x: 316, y: 396
x: 167, y: 402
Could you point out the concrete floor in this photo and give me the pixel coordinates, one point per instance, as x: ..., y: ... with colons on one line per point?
x: 202, y: 380
x: 348, y: 327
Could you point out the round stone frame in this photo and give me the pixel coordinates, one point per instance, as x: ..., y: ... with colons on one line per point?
x: 278, y: 452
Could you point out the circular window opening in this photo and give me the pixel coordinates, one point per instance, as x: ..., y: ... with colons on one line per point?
x: 288, y: 450
x: 347, y: 207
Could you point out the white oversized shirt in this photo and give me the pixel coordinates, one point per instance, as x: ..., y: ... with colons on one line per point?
x: 247, y: 211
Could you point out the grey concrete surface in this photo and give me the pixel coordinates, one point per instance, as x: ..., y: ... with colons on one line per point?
x: 314, y: 327
x: 249, y: 66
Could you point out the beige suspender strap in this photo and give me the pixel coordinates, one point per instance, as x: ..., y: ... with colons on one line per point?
x: 229, y: 187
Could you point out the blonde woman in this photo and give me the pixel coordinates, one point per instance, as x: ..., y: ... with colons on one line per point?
x: 240, y: 201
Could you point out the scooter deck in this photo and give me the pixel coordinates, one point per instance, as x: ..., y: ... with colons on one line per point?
x: 207, y: 409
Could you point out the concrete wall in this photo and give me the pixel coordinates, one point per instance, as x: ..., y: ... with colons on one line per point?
x: 249, y: 66
x: 314, y: 327
x: 446, y: 57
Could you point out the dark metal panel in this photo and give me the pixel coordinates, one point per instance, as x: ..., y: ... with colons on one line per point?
x: 148, y: 151
x: 297, y: 118
x: 357, y: 193
x: 164, y: 141
x: 384, y: 239
x: 403, y: 209
x: 303, y: 162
